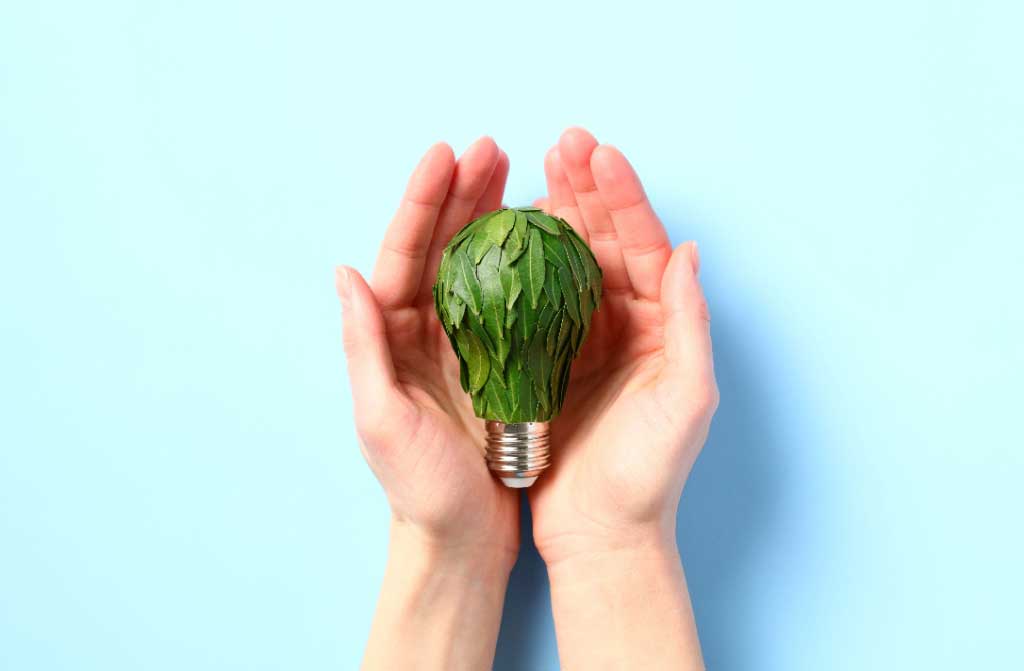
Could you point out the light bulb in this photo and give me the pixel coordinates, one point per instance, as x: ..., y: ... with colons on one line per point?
x: 515, y: 293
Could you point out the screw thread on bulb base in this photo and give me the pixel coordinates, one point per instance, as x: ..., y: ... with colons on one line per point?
x: 518, y: 453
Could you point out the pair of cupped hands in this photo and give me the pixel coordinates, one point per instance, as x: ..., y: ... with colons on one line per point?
x: 641, y: 395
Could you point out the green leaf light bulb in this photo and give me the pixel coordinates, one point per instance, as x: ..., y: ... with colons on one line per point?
x: 515, y: 293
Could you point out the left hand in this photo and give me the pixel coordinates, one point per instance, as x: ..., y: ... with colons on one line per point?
x: 643, y: 390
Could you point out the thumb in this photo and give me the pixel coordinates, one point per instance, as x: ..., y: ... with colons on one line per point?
x: 371, y: 371
x: 687, y: 323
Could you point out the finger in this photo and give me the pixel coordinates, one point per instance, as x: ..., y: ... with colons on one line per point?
x: 560, y: 196
x: 575, y: 148
x: 396, y: 277
x: 542, y: 203
x: 472, y: 175
x: 687, y: 325
x: 491, y: 198
x: 370, y: 368
x: 642, y: 238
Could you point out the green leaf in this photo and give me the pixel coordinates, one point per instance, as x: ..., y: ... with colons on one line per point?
x: 465, y: 284
x: 572, y: 299
x: 469, y: 229
x: 493, y: 296
x: 494, y: 392
x: 553, y: 330
x: 544, y: 222
x: 515, y: 289
x: 551, y: 287
x: 559, y: 380
x: 517, y: 239
x: 479, y: 405
x: 497, y: 228
x: 554, y: 250
x: 478, y: 247
x: 526, y: 323
x: 540, y: 370
x: 456, y: 310
x: 477, y: 327
x: 531, y: 268
x: 590, y: 267
x: 576, y: 263
x: 510, y: 319
x: 564, y: 332
x: 512, y: 384
x: 527, y: 398
x: 474, y: 354
x: 545, y: 318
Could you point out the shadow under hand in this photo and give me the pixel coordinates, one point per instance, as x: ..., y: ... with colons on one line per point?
x: 729, y: 502
x: 526, y: 641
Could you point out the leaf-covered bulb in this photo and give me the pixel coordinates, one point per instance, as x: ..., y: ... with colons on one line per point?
x: 515, y: 293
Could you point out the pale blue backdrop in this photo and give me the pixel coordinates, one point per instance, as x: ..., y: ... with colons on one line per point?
x: 180, y: 486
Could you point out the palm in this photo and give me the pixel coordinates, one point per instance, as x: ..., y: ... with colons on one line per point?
x: 419, y: 432
x: 632, y: 422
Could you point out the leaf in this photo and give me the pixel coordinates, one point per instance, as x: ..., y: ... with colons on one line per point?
x: 497, y: 228
x: 552, y: 334
x: 497, y: 402
x: 514, y: 290
x: 545, y: 318
x: 590, y: 267
x: 501, y: 349
x: 576, y: 263
x: 552, y: 289
x: 465, y: 284
x: 554, y: 250
x: 510, y: 319
x: 456, y: 310
x: 564, y: 335
x: 512, y: 384
x: 474, y: 354
x: 572, y: 299
x: 540, y: 370
x: 526, y: 323
x: 463, y: 374
x: 479, y: 405
x: 477, y: 327
x: 478, y: 246
x: 517, y: 239
x: 559, y: 380
x: 527, y: 399
x: 544, y: 222
x: 493, y: 296
x: 531, y: 268
x: 469, y: 229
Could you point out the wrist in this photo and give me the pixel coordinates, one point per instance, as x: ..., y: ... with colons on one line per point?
x: 624, y: 605
x: 480, y: 559
x: 610, y: 544
x: 442, y: 602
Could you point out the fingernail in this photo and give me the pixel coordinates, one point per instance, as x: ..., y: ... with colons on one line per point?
x: 343, y: 285
x: 694, y: 258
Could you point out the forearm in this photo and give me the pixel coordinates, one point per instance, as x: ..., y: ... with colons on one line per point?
x: 438, y: 608
x: 624, y: 608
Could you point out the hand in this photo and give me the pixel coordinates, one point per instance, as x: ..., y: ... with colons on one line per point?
x: 640, y: 402
x: 455, y: 530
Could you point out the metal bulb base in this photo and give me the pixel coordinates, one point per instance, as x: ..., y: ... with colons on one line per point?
x: 517, y: 453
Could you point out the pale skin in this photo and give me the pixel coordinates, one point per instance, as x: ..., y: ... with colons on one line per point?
x: 640, y: 402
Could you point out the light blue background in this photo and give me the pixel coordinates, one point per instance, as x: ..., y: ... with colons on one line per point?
x: 180, y: 487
